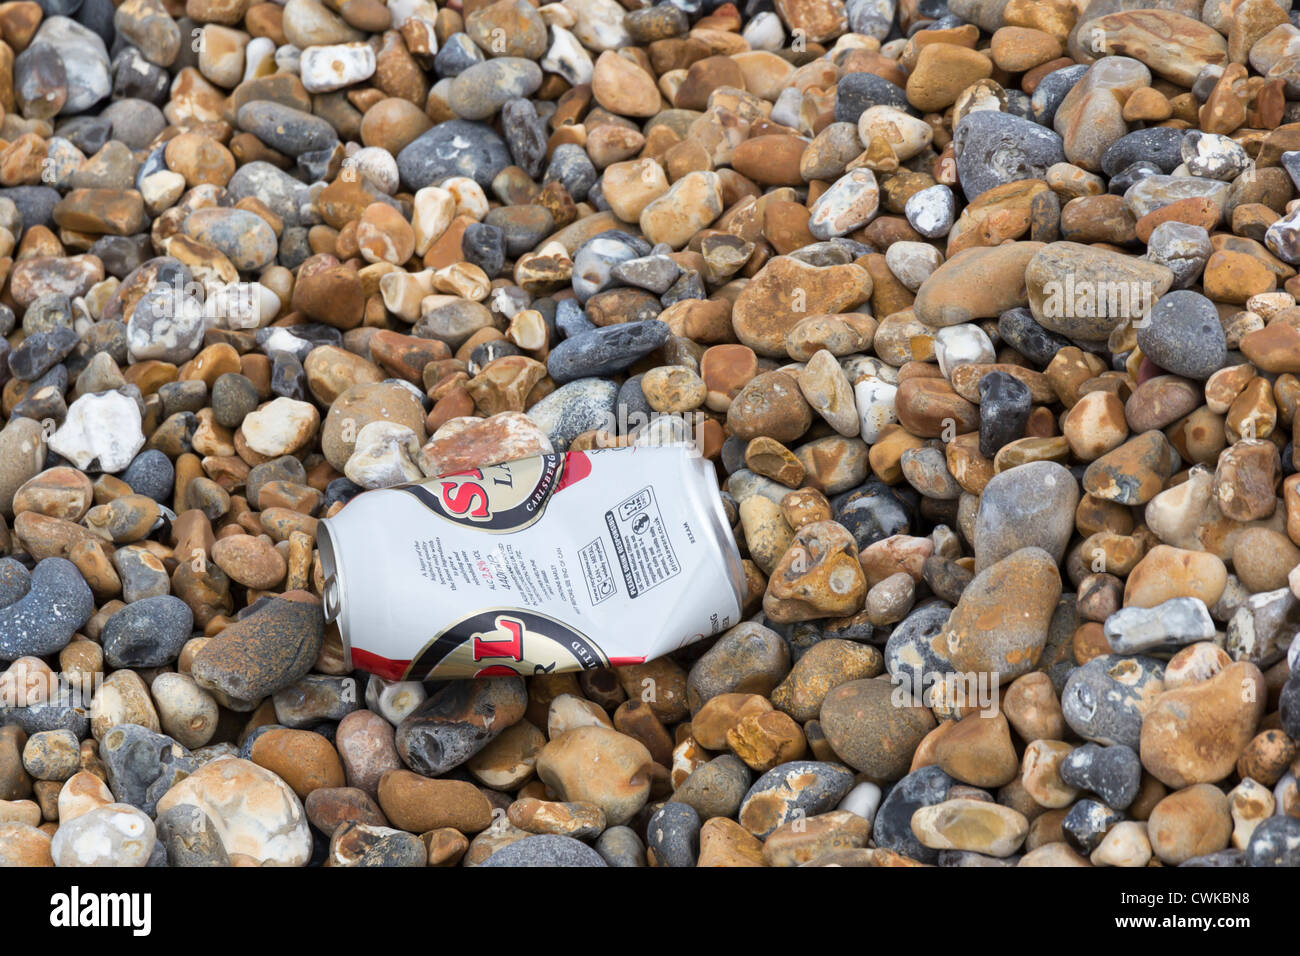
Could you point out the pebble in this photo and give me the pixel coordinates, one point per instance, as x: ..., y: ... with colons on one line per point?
x: 255, y: 813
x: 988, y: 334
x: 112, y: 835
x: 546, y: 850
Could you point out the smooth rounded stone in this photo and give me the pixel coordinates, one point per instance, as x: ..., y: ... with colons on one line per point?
x: 673, y: 836
x: 367, y: 845
x: 23, y: 845
x: 980, y: 283
x: 596, y: 259
x: 394, y: 700
x: 1283, y: 238
x: 620, y: 846
x: 484, y: 246
x: 22, y: 457
x: 571, y: 168
x: 151, y: 474
x: 873, y: 727
x: 1113, y: 773
x: 749, y: 659
x: 419, y: 804
x: 453, y: 148
x: 243, y: 237
x: 1000, y: 625
x: 1133, y: 473
x: 857, y: 92
x: 1031, y: 505
x: 282, y: 194
x: 1019, y: 329
x: 796, y: 790
x: 1184, y: 249
x: 147, y: 633
x: 102, y: 430
x: 1165, y: 627
x: 1106, y: 699
x: 142, y: 765
x: 1159, y: 145
x: 189, y: 838
x: 1213, y: 156
x: 254, y: 812
x: 275, y: 645
x: 458, y: 721
x: 329, y: 808
x: 911, y: 655
x: 365, y: 743
x: 85, y: 62
x: 1275, y: 842
x: 40, y: 352
x: 56, y: 603
x: 34, y: 204
x: 287, y: 130
x: 67, y: 711
x: 315, y: 698
x: 384, y: 455
x: 604, y: 351
x: 1183, y: 335
x: 112, y: 835
x: 457, y: 54
x: 545, y: 850
x: 1155, y: 191
x: 827, y: 664
x: 1086, y: 824
x: 40, y: 82
x: 851, y: 203
x: 1226, y: 711
x: 1005, y: 406
x: 995, y: 148
x: 48, y: 313
x: 594, y: 764
x: 961, y: 345
x: 1190, y: 823
x: 975, y: 826
x: 186, y: 712
x: 334, y: 67
x: 872, y: 512
x: 931, y: 211
x: 1125, y: 844
x: 576, y: 407
x: 52, y: 755
x: 717, y: 788
x: 480, y: 90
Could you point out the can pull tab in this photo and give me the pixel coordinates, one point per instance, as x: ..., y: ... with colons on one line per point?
x: 330, y: 593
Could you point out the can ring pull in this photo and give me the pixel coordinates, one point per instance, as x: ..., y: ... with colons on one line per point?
x: 330, y: 594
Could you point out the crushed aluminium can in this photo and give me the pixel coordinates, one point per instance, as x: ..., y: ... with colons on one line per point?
x: 546, y: 564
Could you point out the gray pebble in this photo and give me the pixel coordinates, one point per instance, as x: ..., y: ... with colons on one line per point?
x: 148, y: 633
x: 1104, y: 700
x: 620, y: 846
x: 43, y: 620
x: 545, y: 850
x: 1183, y: 335
x: 575, y: 408
x: 673, y: 835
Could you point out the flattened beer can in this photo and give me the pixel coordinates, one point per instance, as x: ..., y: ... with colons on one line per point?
x: 536, y: 566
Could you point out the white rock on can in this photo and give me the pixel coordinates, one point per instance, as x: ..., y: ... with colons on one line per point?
x: 536, y: 566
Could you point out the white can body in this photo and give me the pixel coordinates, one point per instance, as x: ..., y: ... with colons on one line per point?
x: 536, y: 566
